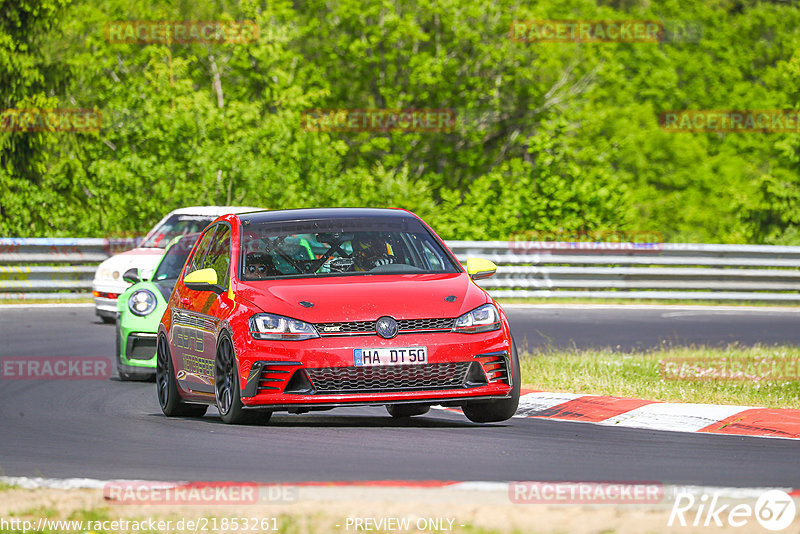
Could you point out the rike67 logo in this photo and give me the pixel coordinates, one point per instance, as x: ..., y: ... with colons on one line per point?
x: 774, y: 510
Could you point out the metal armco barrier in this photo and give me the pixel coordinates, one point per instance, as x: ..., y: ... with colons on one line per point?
x: 42, y: 268
x: 638, y: 270
x: 58, y: 268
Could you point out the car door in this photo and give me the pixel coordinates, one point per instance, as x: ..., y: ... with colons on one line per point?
x: 196, y: 317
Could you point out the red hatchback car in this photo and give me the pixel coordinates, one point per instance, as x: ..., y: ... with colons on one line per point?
x: 312, y: 309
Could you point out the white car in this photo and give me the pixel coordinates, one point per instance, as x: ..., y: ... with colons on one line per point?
x: 108, y: 282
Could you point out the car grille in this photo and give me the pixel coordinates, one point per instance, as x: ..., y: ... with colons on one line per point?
x: 425, y: 324
x: 449, y: 375
x: 336, y: 329
x: 355, y: 328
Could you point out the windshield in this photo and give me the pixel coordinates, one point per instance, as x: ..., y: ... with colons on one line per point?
x: 175, y: 226
x: 174, y: 258
x: 339, y: 247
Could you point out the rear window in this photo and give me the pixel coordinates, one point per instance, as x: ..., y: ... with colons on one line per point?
x: 340, y: 247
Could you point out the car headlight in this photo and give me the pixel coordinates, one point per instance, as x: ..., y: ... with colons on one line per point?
x: 142, y: 302
x: 482, y: 319
x: 270, y: 326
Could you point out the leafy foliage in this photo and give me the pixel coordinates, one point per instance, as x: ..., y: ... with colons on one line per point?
x: 548, y: 136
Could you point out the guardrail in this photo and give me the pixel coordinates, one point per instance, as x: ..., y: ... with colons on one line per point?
x: 638, y: 270
x: 42, y: 268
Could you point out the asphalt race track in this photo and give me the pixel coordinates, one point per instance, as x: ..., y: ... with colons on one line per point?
x: 636, y: 328
x: 109, y: 429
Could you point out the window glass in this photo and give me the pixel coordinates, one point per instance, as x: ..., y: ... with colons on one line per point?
x: 435, y: 260
x: 200, y: 252
x: 175, y: 258
x: 339, y: 247
x: 219, y: 255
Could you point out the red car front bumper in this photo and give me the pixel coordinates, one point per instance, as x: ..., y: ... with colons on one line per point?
x: 322, y: 372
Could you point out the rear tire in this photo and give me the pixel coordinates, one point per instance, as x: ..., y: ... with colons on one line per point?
x: 407, y: 410
x: 499, y: 410
x: 168, y: 397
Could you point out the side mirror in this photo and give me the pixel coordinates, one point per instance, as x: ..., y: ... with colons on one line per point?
x: 478, y: 268
x: 202, y: 280
x: 132, y: 275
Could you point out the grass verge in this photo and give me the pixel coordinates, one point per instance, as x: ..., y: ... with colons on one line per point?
x: 750, y: 376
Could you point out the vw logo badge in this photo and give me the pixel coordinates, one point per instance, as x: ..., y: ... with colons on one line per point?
x: 386, y: 327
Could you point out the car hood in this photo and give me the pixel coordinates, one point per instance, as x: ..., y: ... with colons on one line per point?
x: 365, y: 298
x: 112, y: 269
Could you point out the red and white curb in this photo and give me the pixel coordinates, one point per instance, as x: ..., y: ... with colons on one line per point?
x: 653, y: 415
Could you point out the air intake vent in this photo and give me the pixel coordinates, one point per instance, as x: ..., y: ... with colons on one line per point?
x: 475, y: 377
x: 299, y: 384
x: 268, y: 377
x: 496, y: 366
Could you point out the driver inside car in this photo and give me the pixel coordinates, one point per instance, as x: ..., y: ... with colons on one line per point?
x: 260, y: 266
x: 370, y: 251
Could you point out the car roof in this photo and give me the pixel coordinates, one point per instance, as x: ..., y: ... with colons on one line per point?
x: 214, y: 211
x: 324, y: 213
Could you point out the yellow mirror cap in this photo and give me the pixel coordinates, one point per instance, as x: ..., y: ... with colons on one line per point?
x: 203, y: 276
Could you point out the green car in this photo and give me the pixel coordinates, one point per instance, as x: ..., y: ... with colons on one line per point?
x: 140, y: 307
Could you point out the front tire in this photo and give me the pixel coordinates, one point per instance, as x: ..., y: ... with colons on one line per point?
x: 227, y: 390
x: 168, y: 397
x: 499, y: 410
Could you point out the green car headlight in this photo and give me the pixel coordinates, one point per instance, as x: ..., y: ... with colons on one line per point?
x: 482, y: 319
x: 142, y: 302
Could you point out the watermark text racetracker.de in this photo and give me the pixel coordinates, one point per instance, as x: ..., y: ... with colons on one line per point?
x: 531, y: 241
x: 199, y: 524
x: 55, y: 368
x: 50, y: 120
x: 730, y: 121
x: 379, y: 120
x: 755, y: 369
x: 197, y: 493
x: 541, y: 492
x: 586, y: 31
x: 181, y: 32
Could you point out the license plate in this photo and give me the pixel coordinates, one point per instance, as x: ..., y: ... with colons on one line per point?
x: 390, y: 356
